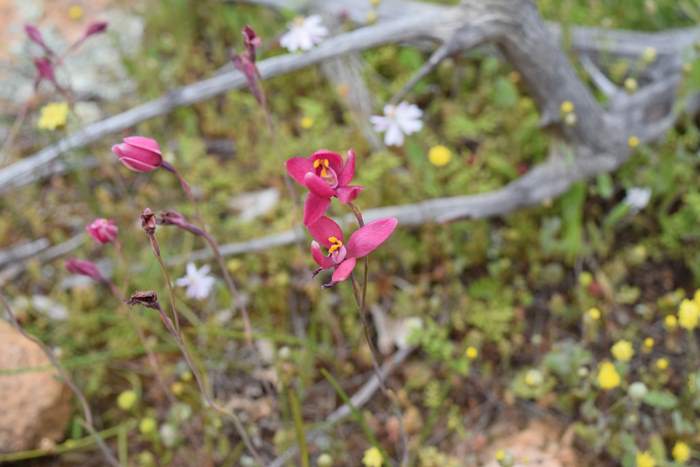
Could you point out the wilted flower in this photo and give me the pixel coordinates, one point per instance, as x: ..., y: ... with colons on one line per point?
x: 44, y: 71
x: 622, y: 351
x: 688, y: 314
x: 637, y: 198
x: 103, y: 230
x: 139, y: 153
x: 372, y: 458
x: 198, y: 282
x: 608, y: 377
x: 245, y: 63
x: 53, y: 115
x: 397, y: 121
x: 84, y: 268
x: 343, y: 257
x: 325, y: 175
x: 681, y: 452
x: 304, y: 33
x: 637, y: 390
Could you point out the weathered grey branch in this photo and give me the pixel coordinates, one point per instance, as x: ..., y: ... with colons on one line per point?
x: 360, y: 398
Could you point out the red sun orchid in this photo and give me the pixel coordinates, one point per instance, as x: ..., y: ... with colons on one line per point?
x: 325, y: 175
x: 102, y: 230
x: 342, y: 256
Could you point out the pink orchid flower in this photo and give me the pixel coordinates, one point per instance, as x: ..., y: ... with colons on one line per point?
x: 326, y: 176
x: 139, y: 153
x: 342, y: 257
x: 102, y: 230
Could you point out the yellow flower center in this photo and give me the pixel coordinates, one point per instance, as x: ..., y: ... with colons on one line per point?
x: 324, y: 164
x: 335, y: 244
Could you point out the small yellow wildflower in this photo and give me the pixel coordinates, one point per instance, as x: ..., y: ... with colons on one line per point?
x: 75, y: 12
x: 662, y: 363
x: 644, y: 459
x: 670, y: 322
x: 439, y: 155
x: 567, y: 107
x: 688, y: 314
x: 53, y: 115
x: 306, y: 122
x: 585, y: 279
x: 373, y: 458
x: 680, y: 452
x: 148, y: 425
x: 500, y: 455
x: 471, y: 352
x: 633, y: 142
x: 177, y: 388
x: 608, y: 377
x: 631, y: 85
x: 186, y: 376
x: 622, y: 351
x: 593, y: 314
x: 649, y: 55
x: 127, y: 399
x: 649, y: 343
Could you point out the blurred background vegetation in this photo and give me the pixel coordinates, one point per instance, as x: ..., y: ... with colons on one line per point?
x: 518, y: 289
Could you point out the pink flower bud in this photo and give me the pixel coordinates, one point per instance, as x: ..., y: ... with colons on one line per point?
x: 84, y: 268
x: 97, y: 27
x: 35, y: 35
x: 103, y: 230
x: 44, y: 69
x: 139, y: 153
x: 251, y: 41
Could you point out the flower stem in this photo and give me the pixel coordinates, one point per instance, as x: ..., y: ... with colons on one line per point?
x: 87, y: 412
x: 233, y: 290
x: 361, y: 299
x: 199, y: 378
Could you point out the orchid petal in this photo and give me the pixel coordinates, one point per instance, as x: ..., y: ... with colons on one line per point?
x: 297, y: 167
x: 347, y: 194
x: 317, y: 185
x: 323, y: 229
x: 148, y: 144
x: 315, y: 207
x: 322, y: 260
x: 335, y: 160
x: 348, y: 172
x: 343, y: 270
x: 366, y: 239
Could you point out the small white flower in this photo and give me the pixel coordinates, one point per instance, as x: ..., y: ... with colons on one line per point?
x: 637, y: 198
x: 304, y: 33
x: 397, y: 121
x: 198, y: 282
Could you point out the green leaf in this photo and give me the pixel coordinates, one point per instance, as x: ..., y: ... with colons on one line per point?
x: 661, y: 400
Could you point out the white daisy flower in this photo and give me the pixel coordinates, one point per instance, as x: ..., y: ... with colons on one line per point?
x: 304, y: 33
x: 637, y: 198
x: 397, y: 121
x: 198, y: 282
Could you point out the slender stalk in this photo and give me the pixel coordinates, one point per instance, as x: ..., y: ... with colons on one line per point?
x: 186, y: 188
x: 361, y: 299
x: 199, y: 378
x: 174, y: 329
x: 88, y: 423
x: 233, y: 290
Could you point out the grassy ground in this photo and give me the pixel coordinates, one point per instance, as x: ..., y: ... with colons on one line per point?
x: 519, y: 289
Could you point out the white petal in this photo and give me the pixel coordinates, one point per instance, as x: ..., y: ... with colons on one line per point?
x: 380, y: 123
x: 393, y: 136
